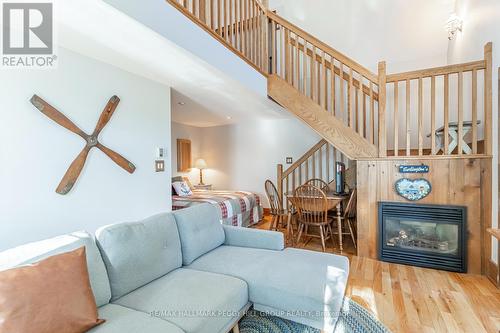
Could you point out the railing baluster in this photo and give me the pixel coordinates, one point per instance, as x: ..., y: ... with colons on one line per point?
x: 304, y: 68
x: 342, y: 97
x: 488, y: 96
x: 408, y: 120
x: 325, y: 82
x: 372, y: 115
x: 349, y: 100
x: 433, y: 115
x: 288, y: 74
x: 365, y: 133
x: 219, y: 17
x: 313, y: 73
x: 332, y: 84
x: 211, y: 11
x: 273, y: 48
x: 313, y: 158
x: 359, y: 113
x: 396, y: 118
x: 420, y: 117
x: 297, y: 62
x: 460, y: 111
x: 474, y: 111
x: 446, y: 114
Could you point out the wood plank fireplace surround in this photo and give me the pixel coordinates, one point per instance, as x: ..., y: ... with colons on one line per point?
x: 455, y: 182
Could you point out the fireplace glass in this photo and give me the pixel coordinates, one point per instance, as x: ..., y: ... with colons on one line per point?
x: 432, y: 236
x: 422, y: 236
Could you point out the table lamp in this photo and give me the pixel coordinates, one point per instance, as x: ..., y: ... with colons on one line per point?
x: 200, y: 164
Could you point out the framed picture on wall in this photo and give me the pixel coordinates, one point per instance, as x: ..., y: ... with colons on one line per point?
x: 183, y: 155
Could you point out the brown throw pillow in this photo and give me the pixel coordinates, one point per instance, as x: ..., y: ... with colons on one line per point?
x: 51, y: 296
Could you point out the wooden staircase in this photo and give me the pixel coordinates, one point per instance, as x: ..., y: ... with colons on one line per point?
x: 344, y: 102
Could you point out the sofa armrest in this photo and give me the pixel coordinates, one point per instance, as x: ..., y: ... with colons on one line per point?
x: 255, y: 238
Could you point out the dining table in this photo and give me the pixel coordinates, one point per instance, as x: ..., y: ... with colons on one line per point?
x: 334, y: 201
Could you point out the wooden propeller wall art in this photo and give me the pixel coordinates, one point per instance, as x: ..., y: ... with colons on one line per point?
x: 76, y: 167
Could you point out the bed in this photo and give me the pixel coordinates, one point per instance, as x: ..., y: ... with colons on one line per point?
x: 237, y: 208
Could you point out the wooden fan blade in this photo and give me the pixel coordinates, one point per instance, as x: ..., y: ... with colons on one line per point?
x: 106, y: 114
x: 117, y: 158
x: 73, y: 172
x: 55, y: 115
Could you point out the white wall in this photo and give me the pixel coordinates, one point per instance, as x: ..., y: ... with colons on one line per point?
x: 243, y: 156
x: 36, y: 152
x: 181, y: 131
x: 481, y: 25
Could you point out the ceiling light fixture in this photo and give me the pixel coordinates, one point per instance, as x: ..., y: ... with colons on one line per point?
x: 181, y: 103
x: 228, y: 117
x: 454, y: 24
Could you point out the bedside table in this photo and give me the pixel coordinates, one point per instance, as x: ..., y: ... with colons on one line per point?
x: 205, y: 187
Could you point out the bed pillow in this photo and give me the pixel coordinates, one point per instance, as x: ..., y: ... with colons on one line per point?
x: 188, y: 182
x: 182, y: 189
x: 53, y: 295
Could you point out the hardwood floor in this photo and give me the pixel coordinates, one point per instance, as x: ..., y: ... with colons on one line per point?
x: 412, y: 299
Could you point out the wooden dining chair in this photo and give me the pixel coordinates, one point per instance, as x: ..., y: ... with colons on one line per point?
x: 348, y: 217
x: 312, y: 207
x: 278, y: 213
x: 319, y: 183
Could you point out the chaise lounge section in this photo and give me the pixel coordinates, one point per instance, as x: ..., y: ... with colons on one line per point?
x: 185, y: 272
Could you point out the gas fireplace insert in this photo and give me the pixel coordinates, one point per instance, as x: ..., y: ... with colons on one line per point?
x: 433, y: 236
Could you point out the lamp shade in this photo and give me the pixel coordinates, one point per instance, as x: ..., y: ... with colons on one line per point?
x: 200, y: 164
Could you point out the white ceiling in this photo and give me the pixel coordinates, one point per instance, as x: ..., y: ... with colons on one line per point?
x: 96, y: 29
x: 187, y: 111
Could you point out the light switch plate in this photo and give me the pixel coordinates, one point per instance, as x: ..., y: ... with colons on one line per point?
x: 160, y: 165
x: 289, y: 160
x: 160, y: 153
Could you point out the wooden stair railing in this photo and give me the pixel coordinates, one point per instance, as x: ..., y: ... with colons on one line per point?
x: 317, y: 162
x: 356, y: 98
x: 330, y: 128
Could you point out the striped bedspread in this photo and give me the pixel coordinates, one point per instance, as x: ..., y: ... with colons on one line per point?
x: 238, y: 208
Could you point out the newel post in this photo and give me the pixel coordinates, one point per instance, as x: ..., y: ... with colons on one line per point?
x: 488, y: 98
x: 279, y: 182
x: 382, y: 135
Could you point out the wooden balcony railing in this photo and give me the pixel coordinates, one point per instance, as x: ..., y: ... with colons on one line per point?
x: 458, y: 91
x: 415, y: 105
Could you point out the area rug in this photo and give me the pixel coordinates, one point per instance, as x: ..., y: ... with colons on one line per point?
x: 353, y: 319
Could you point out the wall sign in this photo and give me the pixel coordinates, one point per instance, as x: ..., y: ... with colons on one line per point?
x: 414, y: 168
x: 413, y: 189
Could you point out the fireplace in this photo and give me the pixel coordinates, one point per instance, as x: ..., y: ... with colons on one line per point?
x: 431, y: 236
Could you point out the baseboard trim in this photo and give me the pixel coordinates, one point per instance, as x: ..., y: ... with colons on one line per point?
x: 492, y: 272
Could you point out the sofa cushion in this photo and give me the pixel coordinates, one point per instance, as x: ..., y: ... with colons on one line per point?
x: 52, y: 295
x: 299, y: 281
x: 120, y: 320
x: 197, y: 302
x: 200, y: 231
x: 34, y: 252
x: 137, y: 253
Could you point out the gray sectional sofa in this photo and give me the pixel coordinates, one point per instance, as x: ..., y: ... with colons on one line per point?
x: 185, y: 272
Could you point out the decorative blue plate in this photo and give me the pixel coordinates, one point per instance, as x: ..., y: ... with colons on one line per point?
x: 413, y: 189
